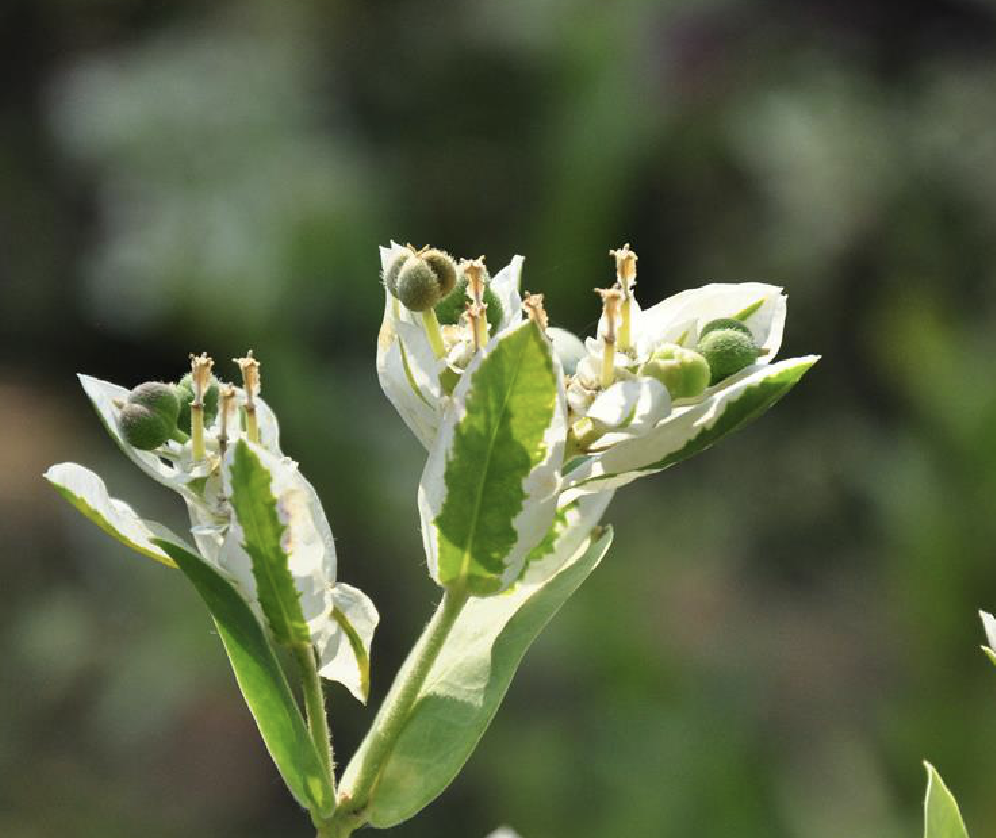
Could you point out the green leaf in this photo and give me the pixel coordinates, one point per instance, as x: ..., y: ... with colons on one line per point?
x: 263, y: 539
x: 87, y: 492
x: 941, y: 818
x: 690, y: 430
x: 262, y: 682
x: 465, y: 686
x: 488, y: 492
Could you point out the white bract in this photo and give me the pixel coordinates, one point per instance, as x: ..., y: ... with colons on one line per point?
x: 418, y: 383
x: 636, y: 430
x: 336, y: 614
x: 623, y: 421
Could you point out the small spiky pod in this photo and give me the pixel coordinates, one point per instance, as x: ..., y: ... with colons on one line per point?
x: 727, y: 351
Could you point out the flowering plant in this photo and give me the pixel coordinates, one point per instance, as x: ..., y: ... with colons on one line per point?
x: 529, y: 432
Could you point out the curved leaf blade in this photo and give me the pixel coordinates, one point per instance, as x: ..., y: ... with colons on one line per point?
x: 941, y: 816
x: 261, y: 681
x: 467, y: 684
x: 86, y: 491
x: 688, y: 432
x: 263, y: 539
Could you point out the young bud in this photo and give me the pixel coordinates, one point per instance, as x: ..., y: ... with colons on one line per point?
x: 184, y: 390
x: 727, y: 351
x: 725, y: 323
x: 683, y: 371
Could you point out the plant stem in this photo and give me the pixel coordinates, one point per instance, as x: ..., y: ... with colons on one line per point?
x: 431, y: 323
x: 314, y: 702
x: 394, y: 713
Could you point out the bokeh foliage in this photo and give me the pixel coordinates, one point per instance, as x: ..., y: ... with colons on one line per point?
x: 782, y: 629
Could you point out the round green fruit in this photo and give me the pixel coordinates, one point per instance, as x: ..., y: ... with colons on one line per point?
x: 726, y: 323
x: 418, y: 285
x: 160, y: 398
x: 393, y: 269
x: 683, y: 371
x: 142, y: 428
x: 184, y: 390
x: 727, y: 351
x: 452, y: 307
x: 444, y: 268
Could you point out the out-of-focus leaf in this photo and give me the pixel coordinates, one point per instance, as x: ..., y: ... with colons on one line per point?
x: 466, y: 685
x: 941, y: 817
x: 261, y: 680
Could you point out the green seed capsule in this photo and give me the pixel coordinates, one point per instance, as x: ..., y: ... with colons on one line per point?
x: 184, y: 390
x: 725, y: 323
x: 142, y: 428
x: 443, y: 267
x: 160, y: 398
x: 727, y: 351
x: 683, y: 371
x: 452, y: 307
x: 418, y: 285
x: 391, y: 274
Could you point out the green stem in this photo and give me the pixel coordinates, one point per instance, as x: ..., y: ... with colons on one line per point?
x: 314, y: 702
x: 395, y: 711
x: 435, y: 336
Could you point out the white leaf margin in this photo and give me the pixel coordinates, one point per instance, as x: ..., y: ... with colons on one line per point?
x: 631, y: 458
x: 86, y: 491
x: 541, y: 486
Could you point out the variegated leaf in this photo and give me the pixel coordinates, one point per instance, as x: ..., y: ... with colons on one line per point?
x: 687, y: 431
x: 489, y: 489
x: 88, y: 493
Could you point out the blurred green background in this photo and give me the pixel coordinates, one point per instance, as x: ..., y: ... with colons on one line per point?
x: 784, y: 627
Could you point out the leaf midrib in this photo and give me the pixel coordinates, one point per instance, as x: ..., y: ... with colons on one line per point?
x: 268, y: 571
x: 465, y: 560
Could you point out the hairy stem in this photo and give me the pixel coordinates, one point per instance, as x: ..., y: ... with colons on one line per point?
x: 393, y: 714
x: 314, y: 702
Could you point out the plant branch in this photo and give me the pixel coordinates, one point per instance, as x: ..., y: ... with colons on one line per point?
x: 397, y: 706
x: 314, y: 702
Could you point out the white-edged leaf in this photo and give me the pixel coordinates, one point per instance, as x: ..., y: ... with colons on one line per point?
x: 273, y: 524
x: 631, y: 407
x: 666, y: 321
x: 941, y: 816
x: 489, y: 489
x: 87, y: 492
x: 103, y: 395
x: 261, y: 681
x: 346, y: 657
x: 687, y: 430
x: 465, y: 687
